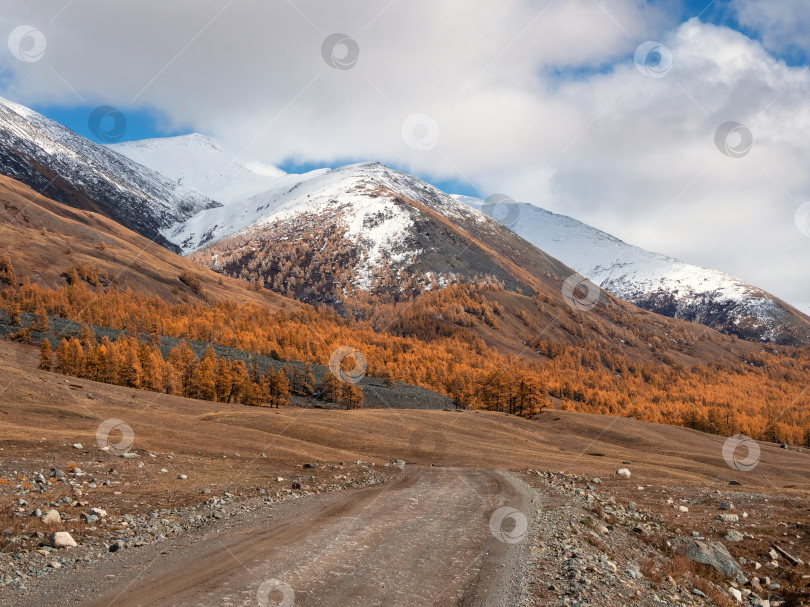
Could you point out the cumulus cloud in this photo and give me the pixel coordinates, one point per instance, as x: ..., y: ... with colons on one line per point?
x: 784, y: 25
x: 539, y: 100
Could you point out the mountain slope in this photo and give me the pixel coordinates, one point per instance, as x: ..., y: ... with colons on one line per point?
x: 362, y: 227
x: 379, y: 244
x: 329, y: 235
x: 198, y: 162
x: 68, y: 168
x: 656, y: 282
x: 45, y: 239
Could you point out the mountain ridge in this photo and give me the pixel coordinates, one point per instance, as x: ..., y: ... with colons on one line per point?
x: 75, y: 171
x: 655, y: 281
x: 188, y: 195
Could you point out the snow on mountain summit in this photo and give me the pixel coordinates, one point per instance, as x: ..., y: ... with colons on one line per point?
x: 199, y: 162
x: 651, y: 280
x: 55, y: 161
x: 380, y: 224
x: 380, y: 211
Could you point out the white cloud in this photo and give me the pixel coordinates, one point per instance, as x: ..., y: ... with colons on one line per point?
x: 539, y: 101
x: 784, y: 25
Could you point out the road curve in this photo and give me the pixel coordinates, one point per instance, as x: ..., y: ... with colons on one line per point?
x: 424, y: 539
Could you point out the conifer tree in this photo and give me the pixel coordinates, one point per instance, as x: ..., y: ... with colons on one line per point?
x: 352, y: 396
x: 41, y: 322
x: 282, y: 390
x: 308, y: 382
x: 183, y: 359
x: 224, y: 381
x: 45, y: 355
x: 204, y: 376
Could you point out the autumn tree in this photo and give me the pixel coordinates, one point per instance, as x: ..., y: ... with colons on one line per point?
x: 330, y: 388
x: 7, y: 274
x: 183, y: 360
x: 87, y: 336
x: 224, y: 380
x: 41, y: 322
x: 70, y: 357
x: 14, y: 313
x: 308, y: 382
x: 45, y: 355
x: 351, y: 395
x: 130, y: 372
x: 241, y: 383
x: 204, y: 381
x: 154, y: 371
x: 281, y: 393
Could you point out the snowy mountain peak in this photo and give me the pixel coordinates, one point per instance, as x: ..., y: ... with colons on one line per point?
x: 200, y: 162
x: 380, y: 213
x: 190, y: 141
x: 66, y: 167
x: 657, y: 282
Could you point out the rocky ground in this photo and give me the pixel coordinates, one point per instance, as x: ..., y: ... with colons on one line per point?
x: 72, y: 515
x: 681, y: 547
x: 586, y: 542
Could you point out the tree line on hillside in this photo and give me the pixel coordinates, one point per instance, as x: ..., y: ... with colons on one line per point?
x: 131, y: 363
x: 761, y: 395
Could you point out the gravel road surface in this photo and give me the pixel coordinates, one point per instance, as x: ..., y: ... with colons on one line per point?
x: 423, y: 539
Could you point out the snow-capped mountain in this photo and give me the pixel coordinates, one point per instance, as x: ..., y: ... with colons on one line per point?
x: 654, y: 281
x: 198, y: 162
x: 385, y: 226
x: 66, y: 167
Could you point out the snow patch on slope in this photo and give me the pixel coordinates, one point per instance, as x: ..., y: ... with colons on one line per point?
x: 198, y: 162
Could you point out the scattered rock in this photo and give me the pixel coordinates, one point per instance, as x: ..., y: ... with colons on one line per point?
x: 736, y: 594
x: 52, y: 517
x: 61, y: 539
x: 623, y: 472
x: 734, y: 536
x: 713, y: 554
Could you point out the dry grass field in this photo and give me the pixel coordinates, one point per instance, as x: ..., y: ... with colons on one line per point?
x: 242, y: 450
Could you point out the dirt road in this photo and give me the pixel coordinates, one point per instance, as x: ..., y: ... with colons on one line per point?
x: 423, y: 539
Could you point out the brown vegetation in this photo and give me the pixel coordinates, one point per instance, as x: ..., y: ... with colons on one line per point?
x: 761, y: 395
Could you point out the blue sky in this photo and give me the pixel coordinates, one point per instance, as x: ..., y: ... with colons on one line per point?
x: 148, y: 124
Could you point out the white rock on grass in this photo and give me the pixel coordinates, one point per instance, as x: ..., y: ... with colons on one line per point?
x: 51, y: 517
x: 623, y: 472
x: 62, y: 539
x: 98, y: 512
x: 182, y: 477
x: 736, y: 594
